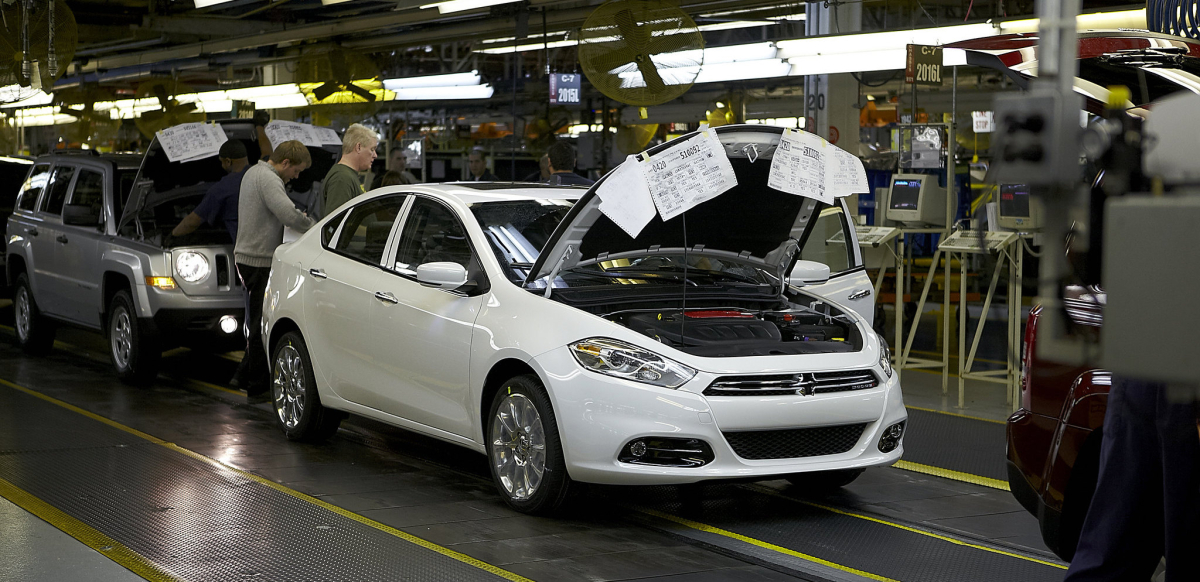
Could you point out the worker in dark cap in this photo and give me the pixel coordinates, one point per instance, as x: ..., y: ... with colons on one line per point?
x: 219, y: 207
x: 562, y: 166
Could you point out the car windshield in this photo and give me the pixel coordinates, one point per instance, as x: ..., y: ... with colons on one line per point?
x: 518, y: 229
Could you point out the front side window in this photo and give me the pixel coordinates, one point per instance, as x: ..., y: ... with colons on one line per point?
x: 432, y: 234
x: 365, y: 232
x: 33, y: 186
x: 89, y: 190
x: 827, y: 241
x: 56, y: 194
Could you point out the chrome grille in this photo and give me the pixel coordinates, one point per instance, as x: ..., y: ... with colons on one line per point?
x: 805, y: 384
x: 795, y: 443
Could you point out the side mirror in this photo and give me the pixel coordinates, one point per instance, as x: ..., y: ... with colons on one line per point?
x: 808, y: 273
x: 80, y: 215
x: 445, y: 275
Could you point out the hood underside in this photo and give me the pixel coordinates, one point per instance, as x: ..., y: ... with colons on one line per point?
x: 752, y: 222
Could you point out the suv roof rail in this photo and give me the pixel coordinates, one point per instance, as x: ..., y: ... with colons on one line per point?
x: 76, y: 151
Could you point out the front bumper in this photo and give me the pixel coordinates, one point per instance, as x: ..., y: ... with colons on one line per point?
x: 599, y: 415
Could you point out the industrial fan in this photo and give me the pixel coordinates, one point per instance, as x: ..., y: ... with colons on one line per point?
x: 541, y: 132
x: 37, y: 45
x: 632, y: 139
x: 341, y: 85
x: 641, y: 52
x: 170, y: 112
x: 91, y: 127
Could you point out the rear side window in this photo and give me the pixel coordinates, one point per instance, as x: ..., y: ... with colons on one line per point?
x: 89, y: 189
x: 56, y: 194
x: 365, y: 233
x: 330, y: 228
x: 33, y: 186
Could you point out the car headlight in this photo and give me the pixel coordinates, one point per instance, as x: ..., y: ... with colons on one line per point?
x: 191, y: 266
x: 885, y: 357
x: 622, y: 360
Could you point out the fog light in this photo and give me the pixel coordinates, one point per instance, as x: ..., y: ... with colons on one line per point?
x: 638, y: 448
x: 228, y: 323
x: 891, y: 437
x: 668, y: 452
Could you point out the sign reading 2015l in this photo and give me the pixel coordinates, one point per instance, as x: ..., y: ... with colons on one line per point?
x: 565, y: 88
x: 923, y: 65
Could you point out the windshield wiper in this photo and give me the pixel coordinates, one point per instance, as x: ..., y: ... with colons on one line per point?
x: 700, y: 272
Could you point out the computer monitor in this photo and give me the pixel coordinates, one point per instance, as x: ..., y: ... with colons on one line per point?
x: 916, y: 200
x: 1019, y: 209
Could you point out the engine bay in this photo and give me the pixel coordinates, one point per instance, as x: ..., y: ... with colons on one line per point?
x: 785, y: 329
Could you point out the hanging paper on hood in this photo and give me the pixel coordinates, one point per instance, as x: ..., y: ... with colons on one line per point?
x: 311, y: 136
x: 191, y: 141
x: 845, y: 174
x: 798, y: 166
x: 625, y: 197
x: 688, y: 173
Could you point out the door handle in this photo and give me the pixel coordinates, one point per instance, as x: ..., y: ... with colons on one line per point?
x: 62, y: 238
x: 859, y: 294
x: 33, y: 231
x: 386, y: 297
x: 318, y: 274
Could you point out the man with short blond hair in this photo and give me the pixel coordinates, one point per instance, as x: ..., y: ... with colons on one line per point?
x: 263, y: 210
x: 342, y: 182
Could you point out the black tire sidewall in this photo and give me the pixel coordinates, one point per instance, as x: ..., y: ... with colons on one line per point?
x: 555, y: 480
x: 40, y: 336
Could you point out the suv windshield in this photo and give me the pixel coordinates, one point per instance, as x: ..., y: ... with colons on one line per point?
x: 518, y: 229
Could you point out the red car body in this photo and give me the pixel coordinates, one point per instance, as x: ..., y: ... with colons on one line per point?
x: 1054, y: 438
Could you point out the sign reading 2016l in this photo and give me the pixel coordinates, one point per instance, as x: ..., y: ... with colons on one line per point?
x: 565, y: 88
x: 923, y: 65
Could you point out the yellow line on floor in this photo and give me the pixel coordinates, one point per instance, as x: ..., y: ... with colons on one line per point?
x: 773, y: 493
x: 948, y: 474
x: 279, y: 487
x: 759, y: 543
x: 86, y: 534
x: 955, y: 414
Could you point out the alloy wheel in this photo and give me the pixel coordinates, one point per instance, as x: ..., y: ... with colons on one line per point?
x: 23, y: 316
x: 121, y: 338
x: 287, y: 386
x: 518, y: 443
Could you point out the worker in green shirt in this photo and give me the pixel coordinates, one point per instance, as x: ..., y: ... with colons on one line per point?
x: 342, y: 182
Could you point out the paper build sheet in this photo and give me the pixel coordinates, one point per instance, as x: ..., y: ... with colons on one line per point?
x: 281, y: 131
x: 688, y: 173
x: 625, y: 197
x: 798, y: 166
x: 191, y: 141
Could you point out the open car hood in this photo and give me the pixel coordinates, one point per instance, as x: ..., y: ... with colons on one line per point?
x: 751, y: 223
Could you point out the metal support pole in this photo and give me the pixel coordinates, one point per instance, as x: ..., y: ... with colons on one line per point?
x: 897, y: 353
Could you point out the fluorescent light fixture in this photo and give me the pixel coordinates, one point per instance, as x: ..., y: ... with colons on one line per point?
x: 504, y: 50
x: 859, y: 62
x: 254, y: 93
x: 40, y: 116
x: 711, y: 73
x: 451, y: 80
x: 10, y: 91
x: 444, y: 93
x: 460, y: 5
x: 332, y: 2
x: 1135, y: 19
x: 735, y: 25
x: 788, y: 122
x: 880, y: 41
x: 16, y: 160
x: 281, y: 101
x: 207, y: 3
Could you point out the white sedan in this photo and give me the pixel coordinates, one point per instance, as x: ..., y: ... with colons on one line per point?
x: 509, y: 319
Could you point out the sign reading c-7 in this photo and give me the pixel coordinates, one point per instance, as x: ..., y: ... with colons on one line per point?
x: 565, y: 88
x: 923, y: 65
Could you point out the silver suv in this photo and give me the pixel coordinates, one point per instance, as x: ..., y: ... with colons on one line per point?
x: 88, y: 246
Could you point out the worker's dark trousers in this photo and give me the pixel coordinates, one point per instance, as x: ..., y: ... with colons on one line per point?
x: 253, y: 374
x: 1147, y: 501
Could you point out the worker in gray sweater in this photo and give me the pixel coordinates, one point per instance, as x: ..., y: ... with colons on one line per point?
x: 263, y: 210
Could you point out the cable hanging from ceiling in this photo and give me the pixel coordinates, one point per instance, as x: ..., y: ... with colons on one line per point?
x: 1178, y: 17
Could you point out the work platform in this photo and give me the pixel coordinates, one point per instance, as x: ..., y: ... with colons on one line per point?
x: 185, y: 480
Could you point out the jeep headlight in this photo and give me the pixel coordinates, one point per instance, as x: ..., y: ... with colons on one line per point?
x: 622, y: 360
x: 885, y: 357
x: 191, y: 266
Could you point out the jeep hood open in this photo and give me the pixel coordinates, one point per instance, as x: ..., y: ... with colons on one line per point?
x: 751, y: 223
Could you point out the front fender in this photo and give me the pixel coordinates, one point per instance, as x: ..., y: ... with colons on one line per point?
x: 133, y: 266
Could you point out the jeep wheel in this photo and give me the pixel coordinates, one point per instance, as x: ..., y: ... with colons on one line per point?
x: 35, y: 333
x: 134, y: 348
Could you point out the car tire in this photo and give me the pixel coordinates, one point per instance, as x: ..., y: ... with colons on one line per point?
x: 824, y: 482
x: 294, y: 396
x: 133, y: 345
x: 523, y: 447
x: 35, y: 332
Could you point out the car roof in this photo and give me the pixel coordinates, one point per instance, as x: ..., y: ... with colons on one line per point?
x: 479, y: 192
x: 121, y: 161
